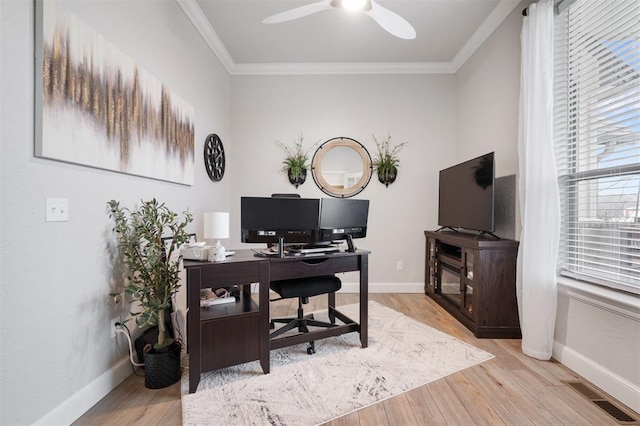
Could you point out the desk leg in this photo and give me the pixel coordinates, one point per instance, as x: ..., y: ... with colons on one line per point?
x: 364, y: 300
x: 193, y: 327
x: 263, y: 300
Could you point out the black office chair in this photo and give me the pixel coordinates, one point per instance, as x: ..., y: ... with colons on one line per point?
x: 303, y: 288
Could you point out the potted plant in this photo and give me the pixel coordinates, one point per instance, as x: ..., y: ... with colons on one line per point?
x: 386, y: 162
x: 296, y: 161
x: 152, y: 277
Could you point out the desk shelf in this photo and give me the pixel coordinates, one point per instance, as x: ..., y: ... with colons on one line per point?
x: 241, y: 307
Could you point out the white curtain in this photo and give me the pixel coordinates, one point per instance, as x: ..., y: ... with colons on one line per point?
x: 538, y: 186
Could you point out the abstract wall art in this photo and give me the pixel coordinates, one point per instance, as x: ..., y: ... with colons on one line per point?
x: 95, y: 107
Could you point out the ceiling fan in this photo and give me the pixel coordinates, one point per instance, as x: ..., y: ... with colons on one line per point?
x: 388, y: 20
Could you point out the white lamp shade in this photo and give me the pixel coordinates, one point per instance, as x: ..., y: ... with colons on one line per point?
x: 216, y: 225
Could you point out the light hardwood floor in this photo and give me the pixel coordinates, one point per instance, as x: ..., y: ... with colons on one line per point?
x: 510, y: 389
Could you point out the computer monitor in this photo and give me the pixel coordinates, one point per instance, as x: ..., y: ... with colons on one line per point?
x: 270, y: 219
x: 343, y: 219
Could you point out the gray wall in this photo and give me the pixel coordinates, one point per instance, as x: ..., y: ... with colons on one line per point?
x: 56, y: 351
x: 418, y: 109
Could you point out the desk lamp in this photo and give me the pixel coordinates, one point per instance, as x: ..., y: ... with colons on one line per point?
x: 216, y: 227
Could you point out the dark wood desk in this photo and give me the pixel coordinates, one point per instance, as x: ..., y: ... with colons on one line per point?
x: 234, y: 333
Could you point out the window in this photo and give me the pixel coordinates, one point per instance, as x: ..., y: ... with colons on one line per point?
x: 597, y: 132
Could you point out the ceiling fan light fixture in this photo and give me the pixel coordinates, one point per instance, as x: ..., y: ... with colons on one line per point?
x: 354, y: 4
x: 387, y: 19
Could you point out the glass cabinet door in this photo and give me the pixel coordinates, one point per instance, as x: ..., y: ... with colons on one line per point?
x: 430, y: 284
x: 449, y: 282
x: 469, y: 283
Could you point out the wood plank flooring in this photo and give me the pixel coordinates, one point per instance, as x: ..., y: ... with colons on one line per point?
x: 511, y: 389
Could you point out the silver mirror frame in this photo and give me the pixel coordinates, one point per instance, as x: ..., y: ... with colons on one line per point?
x: 321, y: 182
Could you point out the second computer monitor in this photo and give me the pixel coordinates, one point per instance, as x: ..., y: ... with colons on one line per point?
x: 342, y: 218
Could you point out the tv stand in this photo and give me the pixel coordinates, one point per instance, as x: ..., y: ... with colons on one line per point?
x: 474, y: 279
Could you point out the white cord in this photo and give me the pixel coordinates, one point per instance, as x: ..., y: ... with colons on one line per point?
x: 119, y: 330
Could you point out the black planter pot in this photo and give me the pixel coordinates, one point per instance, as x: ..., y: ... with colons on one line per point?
x: 297, y: 180
x: 162, y: 368
x: 388, y: 176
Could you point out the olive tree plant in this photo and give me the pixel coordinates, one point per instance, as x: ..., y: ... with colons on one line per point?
x: 152, y: 268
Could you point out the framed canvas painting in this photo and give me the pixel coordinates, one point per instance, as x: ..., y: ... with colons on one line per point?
x: 95, y: 107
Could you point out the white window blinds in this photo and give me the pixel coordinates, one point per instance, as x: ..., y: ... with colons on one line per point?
x: 597, y: 132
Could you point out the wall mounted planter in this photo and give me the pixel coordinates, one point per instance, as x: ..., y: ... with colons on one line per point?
x: 387, y: 176
x: 299, y: 179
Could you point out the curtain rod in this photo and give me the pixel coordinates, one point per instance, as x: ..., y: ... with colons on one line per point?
x: 558, y: 6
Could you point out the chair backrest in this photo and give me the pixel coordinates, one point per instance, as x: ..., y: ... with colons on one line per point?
x: 285, y: 195
x: 293, y: 195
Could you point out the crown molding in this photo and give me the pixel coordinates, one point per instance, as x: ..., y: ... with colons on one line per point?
x: 344, y: 68
x: 203, y: 26
x: 484, y: 31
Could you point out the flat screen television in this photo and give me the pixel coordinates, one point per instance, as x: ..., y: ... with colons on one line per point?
x: 466, y: 195
x: 267, y: 219
x: 343, y: 218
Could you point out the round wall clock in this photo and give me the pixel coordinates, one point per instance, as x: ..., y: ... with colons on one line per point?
x: 214, y: 157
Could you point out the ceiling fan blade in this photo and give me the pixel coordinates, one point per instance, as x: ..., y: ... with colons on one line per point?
x: 391, y: 21
x: 298, y: 12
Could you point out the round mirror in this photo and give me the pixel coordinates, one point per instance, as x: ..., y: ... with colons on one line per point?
x: 341, y: 167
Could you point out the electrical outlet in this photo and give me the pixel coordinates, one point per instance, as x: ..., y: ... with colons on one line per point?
x: 114, y: 327
x: 399, y: 265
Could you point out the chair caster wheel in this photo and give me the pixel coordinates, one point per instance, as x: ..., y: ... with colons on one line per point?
x: 312, y: 348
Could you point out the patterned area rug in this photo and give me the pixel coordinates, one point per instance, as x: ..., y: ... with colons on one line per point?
x: 340, y: 378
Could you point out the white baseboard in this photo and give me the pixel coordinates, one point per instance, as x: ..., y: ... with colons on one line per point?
x: 384, y: 288
x: 80, y: 402
x: 616, y: 386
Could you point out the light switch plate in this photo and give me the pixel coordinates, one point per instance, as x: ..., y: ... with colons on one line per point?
x: 57, y: 210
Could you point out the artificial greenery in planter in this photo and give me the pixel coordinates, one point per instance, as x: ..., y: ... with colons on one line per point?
x: 152, y: 273
x: 386, y: 162
x: 296, y: 161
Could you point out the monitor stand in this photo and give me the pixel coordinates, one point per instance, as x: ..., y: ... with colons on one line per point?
x: 446, y: 227
x: 316, y: 249
x: 481, y: 233
x: 351, y: 247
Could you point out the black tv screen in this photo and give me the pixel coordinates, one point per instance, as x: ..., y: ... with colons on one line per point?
x: 466, y: 195
x: 340, y: 217
x: 266, y: 220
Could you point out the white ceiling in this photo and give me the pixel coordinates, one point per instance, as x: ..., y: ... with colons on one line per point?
x: 337, y: 41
